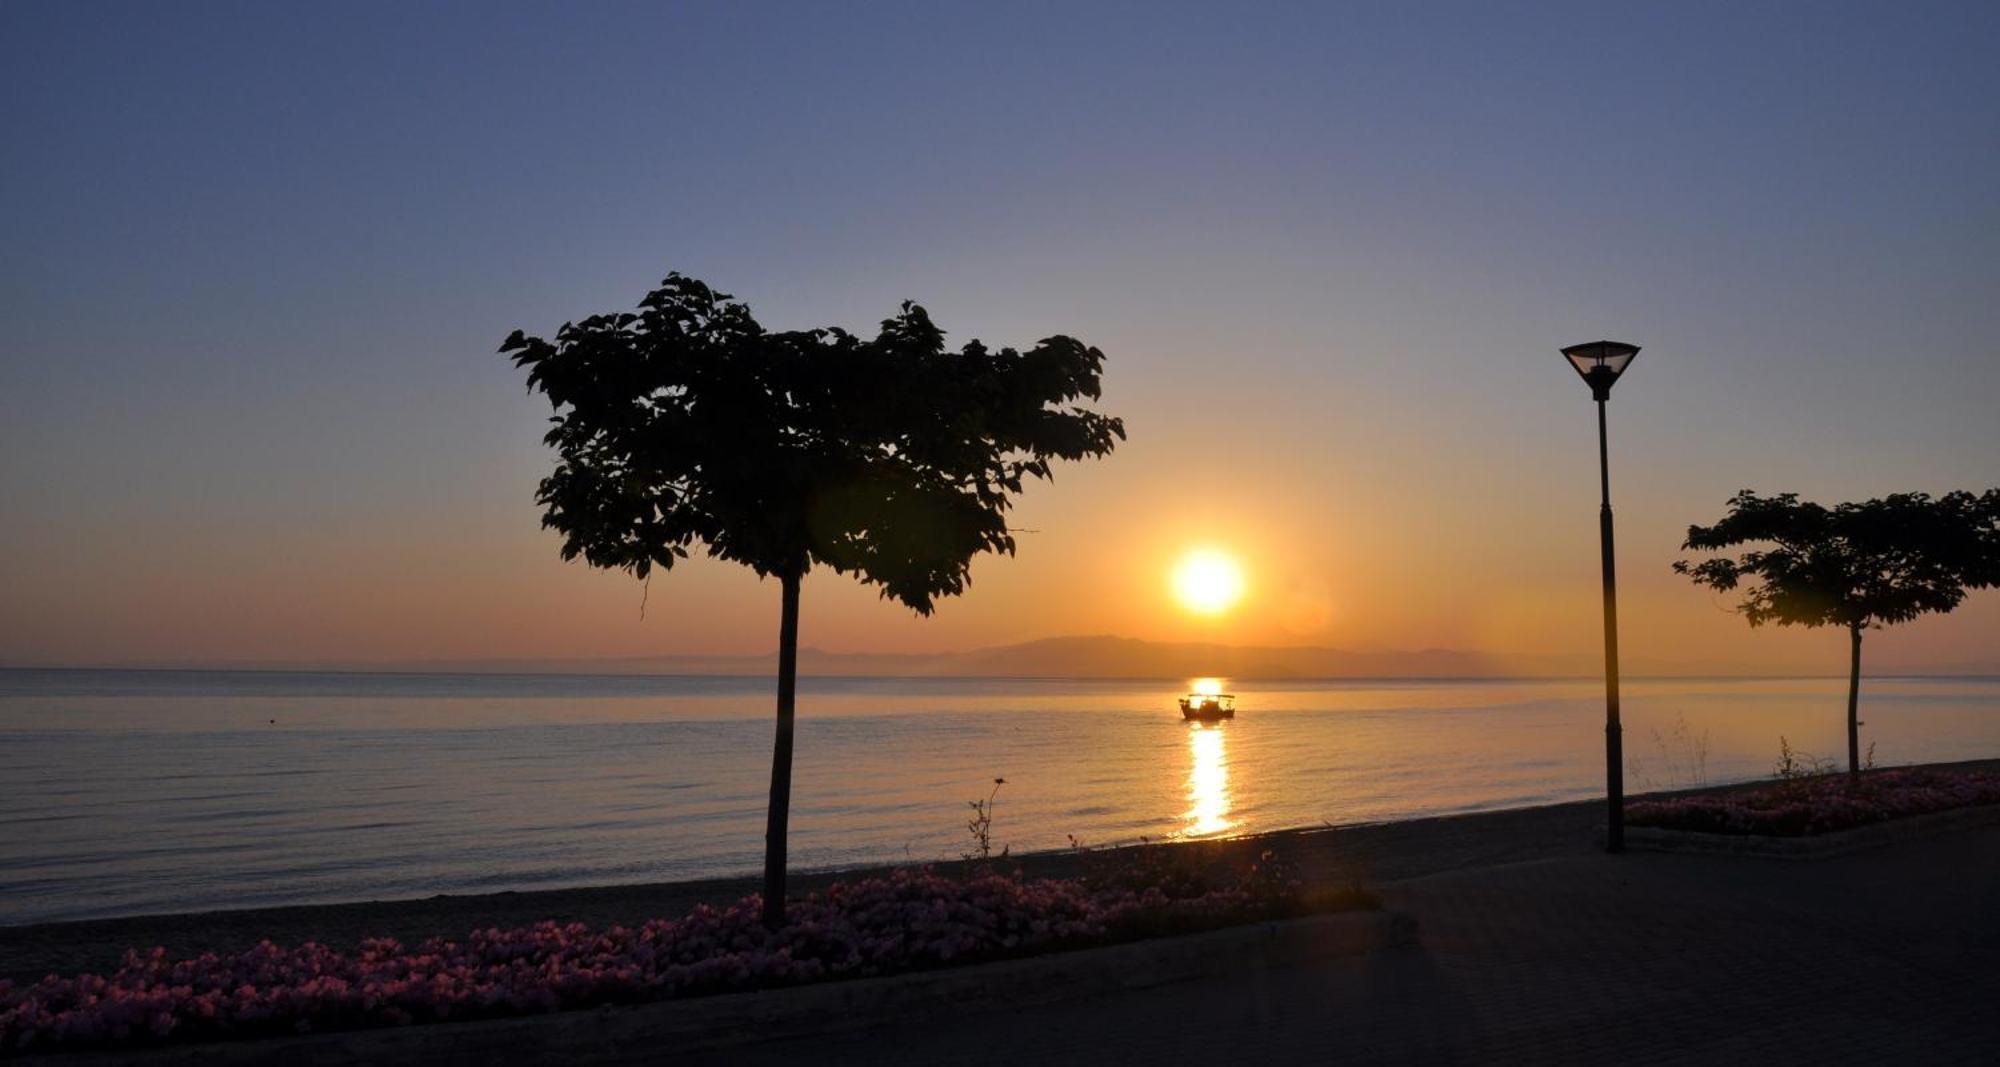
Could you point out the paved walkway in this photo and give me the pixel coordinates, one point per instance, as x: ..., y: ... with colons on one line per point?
x: 1373, y: 855
x: 1889, y: 955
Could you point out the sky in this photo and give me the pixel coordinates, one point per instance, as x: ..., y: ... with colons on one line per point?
x: 256, y: 261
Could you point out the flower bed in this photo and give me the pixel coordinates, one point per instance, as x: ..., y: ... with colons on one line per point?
x: 1805, y: 807
x: 907, y: 921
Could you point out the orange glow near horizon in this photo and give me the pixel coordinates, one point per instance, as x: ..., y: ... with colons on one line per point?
x: 1335, y: 361
x: 1208, y: 581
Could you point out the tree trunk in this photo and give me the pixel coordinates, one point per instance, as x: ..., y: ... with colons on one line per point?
x: 781, y: 756
x: 1853, y: 704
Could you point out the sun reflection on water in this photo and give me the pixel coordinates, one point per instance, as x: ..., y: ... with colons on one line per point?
x: 1208, y: 782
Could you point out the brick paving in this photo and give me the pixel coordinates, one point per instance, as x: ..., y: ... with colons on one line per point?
x: 1891, y: 955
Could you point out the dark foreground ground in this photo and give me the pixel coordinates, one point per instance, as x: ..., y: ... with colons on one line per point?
x: 1887, y: 956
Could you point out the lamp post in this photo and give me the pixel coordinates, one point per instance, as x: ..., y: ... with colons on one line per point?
x: 1600, y: 363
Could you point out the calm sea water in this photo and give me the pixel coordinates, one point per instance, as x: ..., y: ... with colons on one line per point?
x: 126, y: 792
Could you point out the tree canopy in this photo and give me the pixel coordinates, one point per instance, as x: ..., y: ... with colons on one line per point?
x: 893, y: 459
x: 890, y: 458
x: 1855, y: 564
x: 1851, y: 565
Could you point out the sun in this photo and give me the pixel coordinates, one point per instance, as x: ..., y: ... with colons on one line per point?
x: 1207, y: 581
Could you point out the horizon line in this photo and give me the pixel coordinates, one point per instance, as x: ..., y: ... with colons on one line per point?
x: 1974, y: 674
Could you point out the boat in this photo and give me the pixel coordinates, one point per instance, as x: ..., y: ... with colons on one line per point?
x: 1208, y: 707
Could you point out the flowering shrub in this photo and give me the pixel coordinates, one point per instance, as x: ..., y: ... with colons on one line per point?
x: 908, y: 920
x: 1804, y: 806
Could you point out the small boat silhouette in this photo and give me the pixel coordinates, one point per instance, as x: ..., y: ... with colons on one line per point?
x: 1208, y: 707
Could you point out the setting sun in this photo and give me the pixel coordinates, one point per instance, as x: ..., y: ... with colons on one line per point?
x: 1208, y: 582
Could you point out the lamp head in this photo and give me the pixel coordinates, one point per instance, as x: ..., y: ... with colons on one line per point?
x: 1600, y: 363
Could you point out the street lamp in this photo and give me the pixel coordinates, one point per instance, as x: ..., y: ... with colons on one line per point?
x: 1600, y: 363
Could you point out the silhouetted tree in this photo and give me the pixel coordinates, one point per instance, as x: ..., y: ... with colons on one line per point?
x: 892, y: 459
x: 1852, y: 565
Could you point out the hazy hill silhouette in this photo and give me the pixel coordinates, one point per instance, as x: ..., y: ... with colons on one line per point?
x: 1124, y: 657
x: 1100, y: 656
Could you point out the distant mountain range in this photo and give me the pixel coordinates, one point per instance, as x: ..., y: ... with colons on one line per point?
x: 1101, y: 657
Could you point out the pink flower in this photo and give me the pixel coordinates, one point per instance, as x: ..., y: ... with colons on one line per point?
x: 1829, y: 803
x: 908, y: 919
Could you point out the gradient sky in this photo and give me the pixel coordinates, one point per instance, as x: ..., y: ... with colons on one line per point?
x: 257, y: 259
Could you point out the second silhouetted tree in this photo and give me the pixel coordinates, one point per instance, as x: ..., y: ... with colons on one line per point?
x: 1852, y: 565
x: 892, y: 459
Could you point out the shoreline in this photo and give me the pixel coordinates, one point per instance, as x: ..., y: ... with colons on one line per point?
x: 1336, y: 856
x: 1374, y: 854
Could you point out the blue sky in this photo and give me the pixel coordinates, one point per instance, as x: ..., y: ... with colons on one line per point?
x: 257, y: 258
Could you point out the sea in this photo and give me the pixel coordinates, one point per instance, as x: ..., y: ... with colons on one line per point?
x: 140, y: 792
